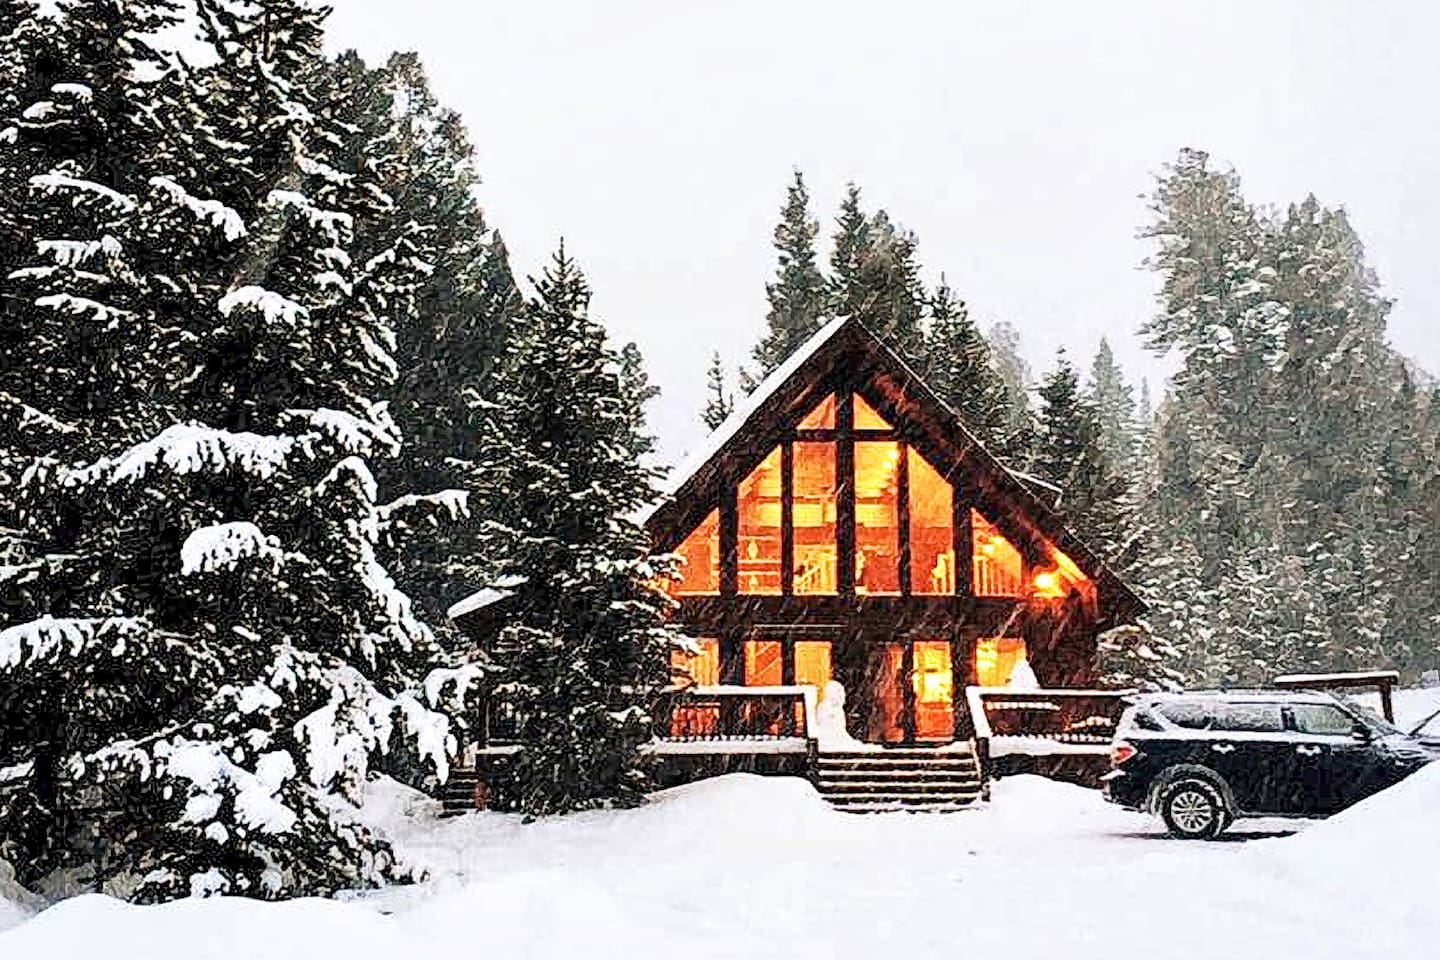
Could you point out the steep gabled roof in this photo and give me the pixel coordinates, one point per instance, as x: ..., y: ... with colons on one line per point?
x: 846, y: 352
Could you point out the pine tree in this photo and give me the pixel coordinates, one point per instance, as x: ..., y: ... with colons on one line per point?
x: 797, y: 295
x: 204, y: 652
x: 851, y: 242
x: 1114, y: 403
x: 587, y: 650
x: 720, y: 402
x: 960, y: 370
x: 1068, y: 454
x: 1014, y: 373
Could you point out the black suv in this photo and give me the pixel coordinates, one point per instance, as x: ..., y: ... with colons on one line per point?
x: 1200, y: 760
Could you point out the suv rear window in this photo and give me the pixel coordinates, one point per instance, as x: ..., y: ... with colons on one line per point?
x: 1248, y: 718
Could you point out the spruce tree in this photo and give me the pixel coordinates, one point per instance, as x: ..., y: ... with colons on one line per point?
x: 960, y: 370
x: 851, y: 242
x: 797, y: 295
x: 719, y: 401
x: 1014, y: 373
x: 1068, y: 454
x: 1114, y: 402
x: 586, y: 649
x: 203, y: 652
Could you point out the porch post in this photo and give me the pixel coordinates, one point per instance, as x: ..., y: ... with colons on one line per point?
x: 845, y: 507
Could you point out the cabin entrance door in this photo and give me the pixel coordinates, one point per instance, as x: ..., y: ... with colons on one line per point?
x: 907, y: 693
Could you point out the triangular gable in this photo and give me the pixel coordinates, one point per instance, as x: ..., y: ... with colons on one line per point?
x: 844, y: 354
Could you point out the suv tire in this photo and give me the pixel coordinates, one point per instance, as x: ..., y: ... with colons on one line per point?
x: 1194, y: 809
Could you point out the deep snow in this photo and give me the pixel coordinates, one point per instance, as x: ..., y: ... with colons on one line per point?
x: 744, y: 866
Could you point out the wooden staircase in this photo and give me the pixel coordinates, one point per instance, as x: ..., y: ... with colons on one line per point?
x: 457, y: 796
x: 912, y: 780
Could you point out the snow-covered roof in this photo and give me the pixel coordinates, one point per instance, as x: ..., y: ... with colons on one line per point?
x: 501, y: 589
x: 742, y: 413
x: 1324, y: 679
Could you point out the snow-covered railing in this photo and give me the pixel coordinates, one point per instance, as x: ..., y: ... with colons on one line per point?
x: 736, y: 713
x: 1043, y: 722
x: 1383, y: 681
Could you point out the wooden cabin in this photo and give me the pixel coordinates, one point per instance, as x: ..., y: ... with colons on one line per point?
x: 847, y: 526
x: 843, y: 535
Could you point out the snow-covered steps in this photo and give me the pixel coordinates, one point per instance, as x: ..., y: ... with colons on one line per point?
x: 457, y: 796
x: 916, y: 780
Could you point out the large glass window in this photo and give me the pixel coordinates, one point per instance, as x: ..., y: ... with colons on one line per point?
x: 877, y: 517
x: 814, y: 518
x: 866, y: 418
x: 997, y: 568
x: 934, y: 681
x: 997, y: 659
x: 700, y: 559
x: 764, y: 663
x: 700, y: 669
x: 822, y: 417
x: 932, y: 548
x: 759, y: 505
x: 813, y: 667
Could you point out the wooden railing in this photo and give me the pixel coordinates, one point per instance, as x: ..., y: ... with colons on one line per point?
x: 1048, y: 725
x: 736, y: 713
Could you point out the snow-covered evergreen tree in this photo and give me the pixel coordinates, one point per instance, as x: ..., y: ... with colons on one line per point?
x: 586, y: 650
x: 1068, y: 454
x: 798, y: 296
x: 719, y: 399
x: 203, y: 651
x: 1114, y: 403
x: 959, y: 368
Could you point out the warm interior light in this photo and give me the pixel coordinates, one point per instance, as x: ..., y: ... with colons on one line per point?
x: 1047, y: 584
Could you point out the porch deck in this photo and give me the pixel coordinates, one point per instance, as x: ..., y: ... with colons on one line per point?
x: 713, y: 730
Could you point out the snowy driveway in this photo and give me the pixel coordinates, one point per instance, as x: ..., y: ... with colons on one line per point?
x: 747, y: 867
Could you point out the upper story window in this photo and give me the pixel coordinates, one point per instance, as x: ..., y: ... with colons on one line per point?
x: 795, y: 509
x: 997, y: 567
x: 758, y: 500
x: 815, y: 512
x: 700, y: 560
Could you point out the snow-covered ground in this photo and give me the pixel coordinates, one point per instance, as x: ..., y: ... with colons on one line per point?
x: 744, y: 866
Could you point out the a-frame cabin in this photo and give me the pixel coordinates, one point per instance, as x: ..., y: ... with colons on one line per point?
x: 846, y: 526
x: 877, y: 602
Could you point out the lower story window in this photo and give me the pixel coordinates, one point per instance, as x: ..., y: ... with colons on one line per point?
x: 1002, y: 662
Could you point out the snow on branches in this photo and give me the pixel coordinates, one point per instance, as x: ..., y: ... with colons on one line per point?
x: 223, y: 545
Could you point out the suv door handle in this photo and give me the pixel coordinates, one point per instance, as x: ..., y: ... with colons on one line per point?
x: 1308, y: 750
x: 1223, y: 747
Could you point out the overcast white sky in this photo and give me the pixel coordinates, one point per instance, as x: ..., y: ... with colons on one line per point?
x: 1016, y: 140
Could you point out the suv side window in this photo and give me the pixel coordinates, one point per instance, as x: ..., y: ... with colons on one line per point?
x: 1322, y: 719
x: 1190, y: 716
x: 1249, y: 717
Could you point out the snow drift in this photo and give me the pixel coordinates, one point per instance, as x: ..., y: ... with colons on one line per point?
x: 748, y: 866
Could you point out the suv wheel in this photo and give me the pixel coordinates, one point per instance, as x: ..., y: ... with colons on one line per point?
x: 1193, y: 809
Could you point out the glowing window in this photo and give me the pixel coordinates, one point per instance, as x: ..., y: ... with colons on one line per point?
x: 812, y: 667
x: 996, y: 660
x: 691, y: 721
x: 700, y: 559
x: 812, y: 664
x: 998, y: 570
x: 759, y: 507
x: 764, y: 663
x: 877, y: 517
x: 700, y: 669
x: 822, y: 417
x: 813, y: 515
x: 934, y: 681
x: 1060, y: 579
x: 932, y: 547
x: 866, y: 418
